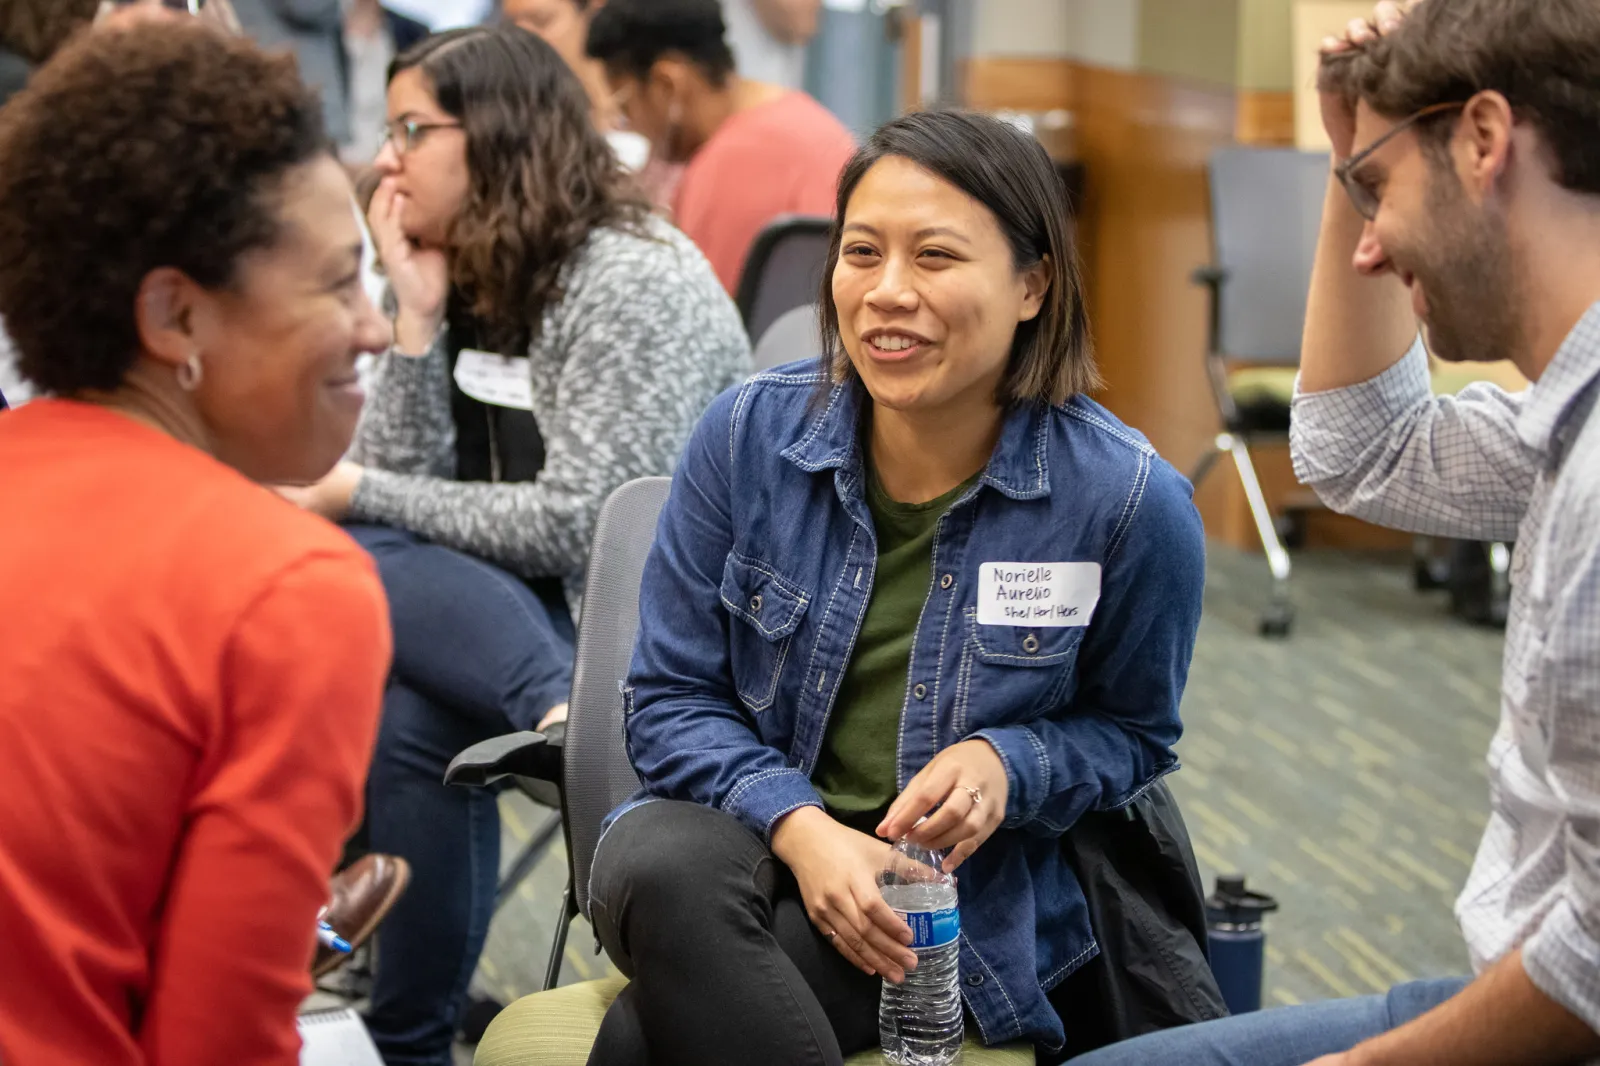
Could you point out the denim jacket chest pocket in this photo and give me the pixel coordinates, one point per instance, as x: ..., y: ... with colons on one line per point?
x: 1013, y: 673
x: 765, y: 609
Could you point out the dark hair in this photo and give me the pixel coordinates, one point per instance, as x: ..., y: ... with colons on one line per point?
x: 541, y: 178
x: 35, y: 29
x: 581, y: 5
x: 631, y: 35
x: 1009, y: 173
x: 1542, y: 55
x: 154, y: 146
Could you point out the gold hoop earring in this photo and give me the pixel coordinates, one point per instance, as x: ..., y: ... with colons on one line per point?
x: 190, y: 372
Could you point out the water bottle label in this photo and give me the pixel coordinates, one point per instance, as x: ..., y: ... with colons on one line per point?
x: 932, y: 929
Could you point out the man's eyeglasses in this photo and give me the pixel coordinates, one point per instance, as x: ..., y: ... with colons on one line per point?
x: 1365, y: 200
x: 407, y: 135
x: 193, y: 7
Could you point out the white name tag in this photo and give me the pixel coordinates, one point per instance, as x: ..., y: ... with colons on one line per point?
x: 503, y: 380
x: 1037, y: 594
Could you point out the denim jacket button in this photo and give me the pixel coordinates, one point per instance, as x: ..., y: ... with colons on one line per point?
x: 946, y: 581
x: 974, y: 979
x: 920, y: 692
x: 1030, y: 643
x: 755, y: 604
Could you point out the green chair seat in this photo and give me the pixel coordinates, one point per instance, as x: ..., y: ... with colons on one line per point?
x: 1263, y: 384
x: 557, y: 1028
x: 1275, y: 384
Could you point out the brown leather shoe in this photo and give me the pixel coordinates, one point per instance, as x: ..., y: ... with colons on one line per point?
x: 363, y: 893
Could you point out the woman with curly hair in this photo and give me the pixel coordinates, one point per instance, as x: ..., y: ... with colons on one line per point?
x: 193, y: 669
x: 553, y: 340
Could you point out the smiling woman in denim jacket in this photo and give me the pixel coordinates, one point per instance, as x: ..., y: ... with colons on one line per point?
x: 924, y: 575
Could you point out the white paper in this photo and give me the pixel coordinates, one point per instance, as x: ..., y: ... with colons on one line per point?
x: 336, y: 1038
x: 1038, y: 595
x: 503, y: 380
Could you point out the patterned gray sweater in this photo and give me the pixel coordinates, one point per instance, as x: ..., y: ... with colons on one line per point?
x: 623, y: 366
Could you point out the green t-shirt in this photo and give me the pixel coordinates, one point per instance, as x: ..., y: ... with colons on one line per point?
x: 856, y: 770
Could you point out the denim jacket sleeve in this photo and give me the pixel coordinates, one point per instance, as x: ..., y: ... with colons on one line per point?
x: 689, y: 737
x: 1115, y: 735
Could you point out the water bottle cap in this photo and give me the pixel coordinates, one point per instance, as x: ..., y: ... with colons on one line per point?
x: 1234, y: 904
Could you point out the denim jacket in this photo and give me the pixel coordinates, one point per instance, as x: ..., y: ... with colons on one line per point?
x: 755, y: 590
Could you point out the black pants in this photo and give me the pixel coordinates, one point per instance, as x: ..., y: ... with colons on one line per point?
x: 726, y: 968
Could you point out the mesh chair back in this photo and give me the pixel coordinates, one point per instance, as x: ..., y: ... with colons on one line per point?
x: 1266, y: 208
x: 795, y: 335
x: 783, y: 271
x: 596, y: 771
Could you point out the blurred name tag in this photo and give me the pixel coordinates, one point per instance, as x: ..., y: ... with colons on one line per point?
x: 503, y: 380
x: 1037, y: 594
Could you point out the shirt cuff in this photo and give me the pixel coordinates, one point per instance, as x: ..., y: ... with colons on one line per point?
x: 1027, y: 766
x: 1331, y: 430
x: 761, y: 798
x: 380, y: 497
x: 1563, y: 960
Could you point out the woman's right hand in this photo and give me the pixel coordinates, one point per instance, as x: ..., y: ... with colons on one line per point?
x: 837, y: 869
x: 420, y: 277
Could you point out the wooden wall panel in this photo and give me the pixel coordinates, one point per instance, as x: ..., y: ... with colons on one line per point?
x: 1265, y: 118
x: 1144, y: 142
x: 1018, y: 84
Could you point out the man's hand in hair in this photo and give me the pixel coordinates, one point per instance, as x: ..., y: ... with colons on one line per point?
x: 790, y: 21
x: 1339, y: 113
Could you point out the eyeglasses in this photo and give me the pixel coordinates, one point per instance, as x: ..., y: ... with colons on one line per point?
x: 1365, y: 200
x: 193, y: 7
x: 407, y: 135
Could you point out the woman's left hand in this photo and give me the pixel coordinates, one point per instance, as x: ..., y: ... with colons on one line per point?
x: 329, y: 497
x: 967, y: 782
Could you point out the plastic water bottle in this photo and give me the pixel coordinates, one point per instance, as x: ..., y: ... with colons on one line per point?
x: 919, y: 1020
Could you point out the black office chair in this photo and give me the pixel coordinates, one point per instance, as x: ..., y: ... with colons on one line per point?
x: 1266, y: 210
x: 783, y: 270
x: 595, y: 772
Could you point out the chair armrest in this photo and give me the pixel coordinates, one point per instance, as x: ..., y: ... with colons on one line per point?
x: 525, y: 754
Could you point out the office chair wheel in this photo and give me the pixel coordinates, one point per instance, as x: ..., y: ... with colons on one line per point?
x: 1277, y: 621
x: 1291, y: 530
x: 1429, y: 573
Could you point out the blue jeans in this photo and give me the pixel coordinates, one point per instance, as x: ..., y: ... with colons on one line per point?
x: 477, y: 654
x: 1284, y: 1036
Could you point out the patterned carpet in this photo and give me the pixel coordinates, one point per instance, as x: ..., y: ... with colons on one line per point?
x: 1342, y: 770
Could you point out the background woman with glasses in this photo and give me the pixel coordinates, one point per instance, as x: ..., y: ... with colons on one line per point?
x: 553, y: 339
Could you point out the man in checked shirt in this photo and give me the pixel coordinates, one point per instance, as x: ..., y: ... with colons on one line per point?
x: 1466, y: 195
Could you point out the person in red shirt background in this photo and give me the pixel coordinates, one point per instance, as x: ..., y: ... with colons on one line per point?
x: 192, y: 667
x: 752, y: 151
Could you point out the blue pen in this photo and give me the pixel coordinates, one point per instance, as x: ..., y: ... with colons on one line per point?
x: 330, y: 939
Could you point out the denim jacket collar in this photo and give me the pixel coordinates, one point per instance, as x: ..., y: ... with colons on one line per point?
x: 1019, y: 467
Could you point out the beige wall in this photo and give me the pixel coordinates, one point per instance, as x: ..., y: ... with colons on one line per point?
x: 1196, y: 39
x: 1102, y: 32
x: 1020, y: 28
x: 1246, y: 43
x: 1266, y: 51
x: 1201, y: 40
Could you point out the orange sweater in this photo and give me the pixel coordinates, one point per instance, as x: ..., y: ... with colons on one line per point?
x: 782, y: 157
x: 190, y: 676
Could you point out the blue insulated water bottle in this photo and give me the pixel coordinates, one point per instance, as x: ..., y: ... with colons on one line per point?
x: 1238, y: 944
